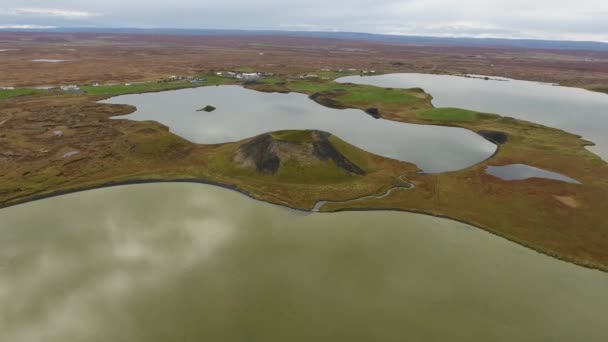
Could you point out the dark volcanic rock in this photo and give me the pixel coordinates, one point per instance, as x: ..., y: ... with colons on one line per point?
x: 267, y: 152
x: 326, y: 98
x: 324, y: 150
x: 375, y: 112
x: 207, y: 109
x: 259, y: 150
x: 496, y: 137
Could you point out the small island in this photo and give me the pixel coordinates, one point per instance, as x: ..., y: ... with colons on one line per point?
x: 207, y: 109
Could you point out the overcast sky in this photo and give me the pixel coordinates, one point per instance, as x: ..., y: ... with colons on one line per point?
x: 546, y: 19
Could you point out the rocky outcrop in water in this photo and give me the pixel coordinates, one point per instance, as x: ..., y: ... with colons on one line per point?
x: 207, y: 109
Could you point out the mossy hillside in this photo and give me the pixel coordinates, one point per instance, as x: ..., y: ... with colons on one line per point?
x: 298, y: 157
x: 322, y: 172
x: 294, y: 135
x: 354, y: 154
x: 156, y: 142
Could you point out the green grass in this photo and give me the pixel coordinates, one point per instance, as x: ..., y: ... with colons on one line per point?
x: 356, y: 94
x: 311, y: 86
x: 215, y: 79
x: 316, y: 173
x: 332, y: 75
x: 354, y: 154
x: 601, y: 89
x: 7, y: 93
x: 371, y: 95
x: 448, y: 114
x: 294, y: 135
x: 271, y: 80
x: 121, y: 89
x: 151, y: 141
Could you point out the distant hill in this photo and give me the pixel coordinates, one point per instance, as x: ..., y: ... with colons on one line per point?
x: 395, y: 39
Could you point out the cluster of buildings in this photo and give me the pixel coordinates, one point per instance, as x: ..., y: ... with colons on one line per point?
x: 352, y: 70
x: 244, y: 76
x: 190, y: 79
x: 70, y: 88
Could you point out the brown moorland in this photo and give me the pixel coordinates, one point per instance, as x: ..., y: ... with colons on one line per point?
x: 101, y: 57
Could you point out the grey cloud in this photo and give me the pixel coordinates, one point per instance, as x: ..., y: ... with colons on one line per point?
x: 557, y: 19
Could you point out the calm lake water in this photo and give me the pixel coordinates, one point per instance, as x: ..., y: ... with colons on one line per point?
x: 190, y: 262
x: 522, y: 171
x: 242, y: 113
x: 572, y: 109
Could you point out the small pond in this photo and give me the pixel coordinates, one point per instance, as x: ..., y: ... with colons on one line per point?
x: 522, y: 171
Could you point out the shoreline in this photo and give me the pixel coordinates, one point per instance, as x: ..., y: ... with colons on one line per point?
x: 44, y: 195
x: 321, y: 203
x: 111, y: 184
x: 595, y: 88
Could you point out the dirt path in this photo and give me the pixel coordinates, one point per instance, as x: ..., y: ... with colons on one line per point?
x: 409, y: 186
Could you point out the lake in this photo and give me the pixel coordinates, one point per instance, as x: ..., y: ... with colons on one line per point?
x: 191, y: 262
x: 243, y: 113
x: 574, y: 110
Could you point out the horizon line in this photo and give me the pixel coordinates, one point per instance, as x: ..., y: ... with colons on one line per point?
x: 86, y: 29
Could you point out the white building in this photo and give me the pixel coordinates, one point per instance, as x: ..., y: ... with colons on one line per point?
x: 70, y: 88
x: 250, y: 76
